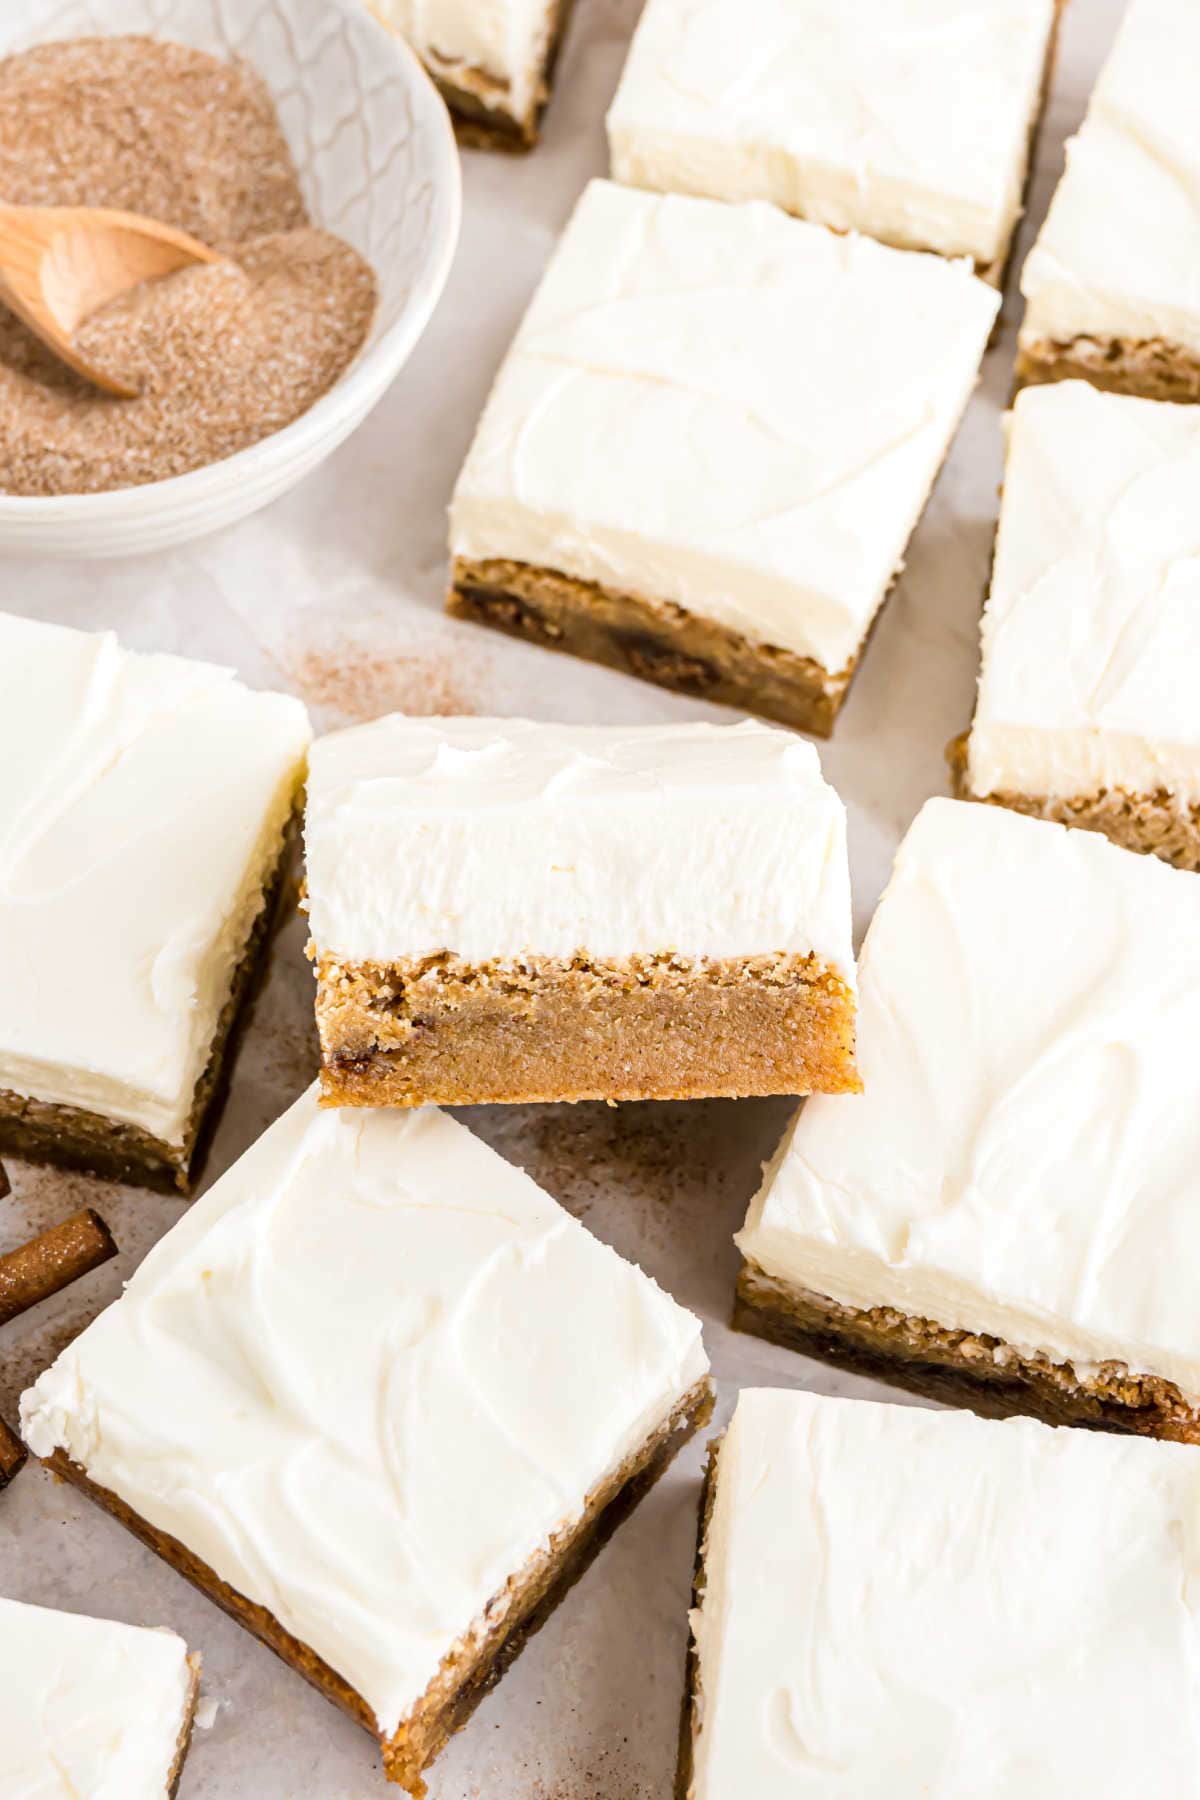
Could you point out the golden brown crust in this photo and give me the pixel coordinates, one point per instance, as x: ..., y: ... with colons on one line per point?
x: 183, y: 1743
x: 440, y: 1029
x: 1152, y: 824
x: 962, y: 1368
x: 655, y: 640
x: 72, y: 1138
x: 689, y: 1722
x: 1149, y: 368
x: 474, y: 1666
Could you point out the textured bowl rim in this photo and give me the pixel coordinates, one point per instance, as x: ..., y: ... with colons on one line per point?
x: 331, y: 417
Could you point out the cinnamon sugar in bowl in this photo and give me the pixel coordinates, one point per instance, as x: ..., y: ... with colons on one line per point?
x: 377, y: 166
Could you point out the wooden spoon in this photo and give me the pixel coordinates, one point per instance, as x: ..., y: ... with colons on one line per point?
x: 60, y: 264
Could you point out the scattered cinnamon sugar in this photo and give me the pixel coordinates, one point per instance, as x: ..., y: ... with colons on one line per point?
x: 222, y: 355
x: 346, y: 683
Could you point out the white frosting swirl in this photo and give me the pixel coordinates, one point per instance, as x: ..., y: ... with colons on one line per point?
x: 89, y: 1710
x: 365, y: 1379
x: 503, y: 838
x: 1094, y: 609
x: 142, y: 805
x: 1023, y: 1159
x: 725, y: 408
x: 908, y: 120
x: 1119, y: 253
x: 927, y: 1605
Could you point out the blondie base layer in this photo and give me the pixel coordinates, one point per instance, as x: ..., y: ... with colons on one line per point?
x: 184, y: 1742
x: 1151, y: 368
x: 689, y: 1718
x: 1150, y: 824
x: 72, y: 1138
x: 645, y: 1028
x: 475, y: 1665
x: 653, y: 639
x: 960, y: 1368
x: 504, y: 910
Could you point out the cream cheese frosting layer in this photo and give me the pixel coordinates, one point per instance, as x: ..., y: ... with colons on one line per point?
x: 502, y: 838
x: 503, y: 40
x: 1091, y: 633
x: 905, y: 119
x: 918, y: 1603
x: 142, y: 805
x: 365, y: 1379
x: 1119, y: 253
x: 1024, y: 1159
x: 725, y: 408
x: 89, y: 1710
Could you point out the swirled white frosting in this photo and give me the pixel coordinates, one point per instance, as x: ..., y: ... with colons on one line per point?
x: 908, y: 120
x: 725, y: 408
x: 505, y: 41
x: 1119, y: 253
x: 1024, y: 1159
x: 366, y: 1379
x: 501, y: 838
x: 143, y: 801
x: 89, y: 1710
x: 1091, y: 633
x: 928, y: 1605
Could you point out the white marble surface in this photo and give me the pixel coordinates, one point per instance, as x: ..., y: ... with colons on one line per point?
x: 335, y: 593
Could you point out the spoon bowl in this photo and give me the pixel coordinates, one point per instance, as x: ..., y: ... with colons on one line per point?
x: 61, y: 264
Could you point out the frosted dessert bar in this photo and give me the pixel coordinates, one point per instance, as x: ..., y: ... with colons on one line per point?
x: 91, y: 1708
x: 508, y: 911
x: 1009, y: 1215
x: 493, y: 63
x: 1110, y: 285
x: 909, y: 120
x: 1091, y: 633
x: 146, y: 810
x: 418, y: 1396
x: 896, y: 1601
x: 709, y: 444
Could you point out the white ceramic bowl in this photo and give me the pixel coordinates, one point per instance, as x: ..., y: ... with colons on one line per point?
x: 378, y: 163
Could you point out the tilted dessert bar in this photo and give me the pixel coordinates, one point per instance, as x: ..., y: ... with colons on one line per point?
x: 91, y: 1708
x: 709, y: 444
x: 1111, y: 285
x: 508, y: 911
x: 381, y: 1398
x: 493, y: 64
x: 925, y: 1605
x: 909, y: 120
x: 1009, y: 1215
x: 146, y: 806
x: 1091, y: 633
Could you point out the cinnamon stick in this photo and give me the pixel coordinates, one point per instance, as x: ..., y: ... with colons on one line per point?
x: 53, y: 1261
x: 12, y: 1454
